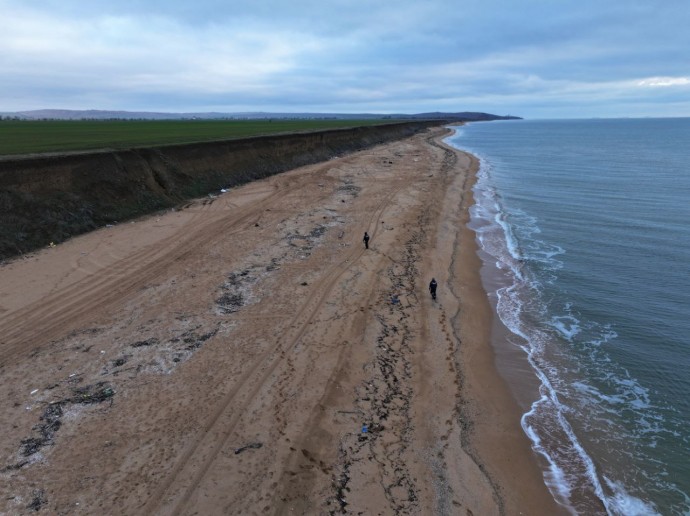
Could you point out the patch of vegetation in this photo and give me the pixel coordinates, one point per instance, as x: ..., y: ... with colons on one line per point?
x: 41, y: 136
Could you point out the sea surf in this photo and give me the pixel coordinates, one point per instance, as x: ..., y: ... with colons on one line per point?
x: 583, y: 230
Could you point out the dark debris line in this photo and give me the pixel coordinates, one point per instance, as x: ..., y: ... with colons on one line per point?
x: 52, y: 416
x: 38, y: 500
x: 384, y: 399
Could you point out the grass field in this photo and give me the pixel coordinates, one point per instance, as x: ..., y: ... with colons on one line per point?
x: 28, y: 137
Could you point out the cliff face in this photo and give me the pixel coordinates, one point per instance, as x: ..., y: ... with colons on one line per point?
x: 47, y: 199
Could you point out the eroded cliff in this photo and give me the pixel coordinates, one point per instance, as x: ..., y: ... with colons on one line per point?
x: 47, y: 199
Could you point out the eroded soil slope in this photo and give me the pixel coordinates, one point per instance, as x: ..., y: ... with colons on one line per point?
x: 50, y: 198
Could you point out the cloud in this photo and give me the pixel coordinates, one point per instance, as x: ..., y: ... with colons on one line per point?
x: 664, y: 81
x: 344, y: 55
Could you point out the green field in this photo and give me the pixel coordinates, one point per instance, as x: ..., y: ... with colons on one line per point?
x: 28, y: 137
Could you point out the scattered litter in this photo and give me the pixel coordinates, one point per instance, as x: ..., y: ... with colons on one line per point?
x: 95, y: 393
x: 34, y: 391
x: 52, y: 244
x: 365, y: 429
x: 395, y: 299
x: 223, y: 190
x: 254, y: 446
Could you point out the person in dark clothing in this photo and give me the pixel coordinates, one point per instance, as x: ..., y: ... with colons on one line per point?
x: 432, y: 288
x: 366, y: 240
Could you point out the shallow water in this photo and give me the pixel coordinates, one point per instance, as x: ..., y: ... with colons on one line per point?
x: 585, y: 222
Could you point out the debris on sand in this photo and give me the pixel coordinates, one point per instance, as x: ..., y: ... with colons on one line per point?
x: 52, y: 416
x: 250, y: 446
x: 195, y: 341
x: 230, y: 302
x: 51, y: 423
x: 148, y: 342
x: 237, y: 291
x: 14, y: 467
x: 349, y: 188
x: 38, y: 500
x: 118, y: 362
x: 94, y: 393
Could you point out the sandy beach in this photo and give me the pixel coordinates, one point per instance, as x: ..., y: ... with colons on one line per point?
x: 245, y: 354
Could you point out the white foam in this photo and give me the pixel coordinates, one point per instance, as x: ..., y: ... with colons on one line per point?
x: 567, y: 325
x: 509, y: 256
x: 554, y: 477
x: 623, y: 503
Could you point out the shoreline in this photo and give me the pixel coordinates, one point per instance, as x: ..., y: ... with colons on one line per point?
x: 254, y: 358
x: 501, y: 271
x: 496, y: 437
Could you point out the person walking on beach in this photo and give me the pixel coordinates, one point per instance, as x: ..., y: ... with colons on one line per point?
x: 366, y: 240
x: 432, y: 288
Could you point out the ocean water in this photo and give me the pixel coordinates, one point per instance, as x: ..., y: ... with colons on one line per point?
x: 586, y: 225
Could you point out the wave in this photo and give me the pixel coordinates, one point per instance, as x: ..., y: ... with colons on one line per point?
x: 582, y: 391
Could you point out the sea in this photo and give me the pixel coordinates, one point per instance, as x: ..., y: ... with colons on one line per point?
x: 584, y: 231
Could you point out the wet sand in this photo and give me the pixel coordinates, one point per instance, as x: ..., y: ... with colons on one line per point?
x: 246, y: 355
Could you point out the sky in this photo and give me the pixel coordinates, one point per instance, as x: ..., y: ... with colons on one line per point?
x: 529, y: 58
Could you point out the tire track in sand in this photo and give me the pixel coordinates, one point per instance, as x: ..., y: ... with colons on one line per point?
x: 247, y: 387
x: 21, y: 330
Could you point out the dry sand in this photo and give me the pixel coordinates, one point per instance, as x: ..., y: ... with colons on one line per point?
x: 223, y: 358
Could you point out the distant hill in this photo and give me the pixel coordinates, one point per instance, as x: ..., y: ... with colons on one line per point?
x: 465, y: 116
x: 94, y: 114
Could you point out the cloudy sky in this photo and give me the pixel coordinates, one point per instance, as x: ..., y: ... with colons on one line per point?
x: 532, y: 58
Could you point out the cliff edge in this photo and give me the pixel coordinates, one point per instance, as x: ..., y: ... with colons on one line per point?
x: 50, y: 198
